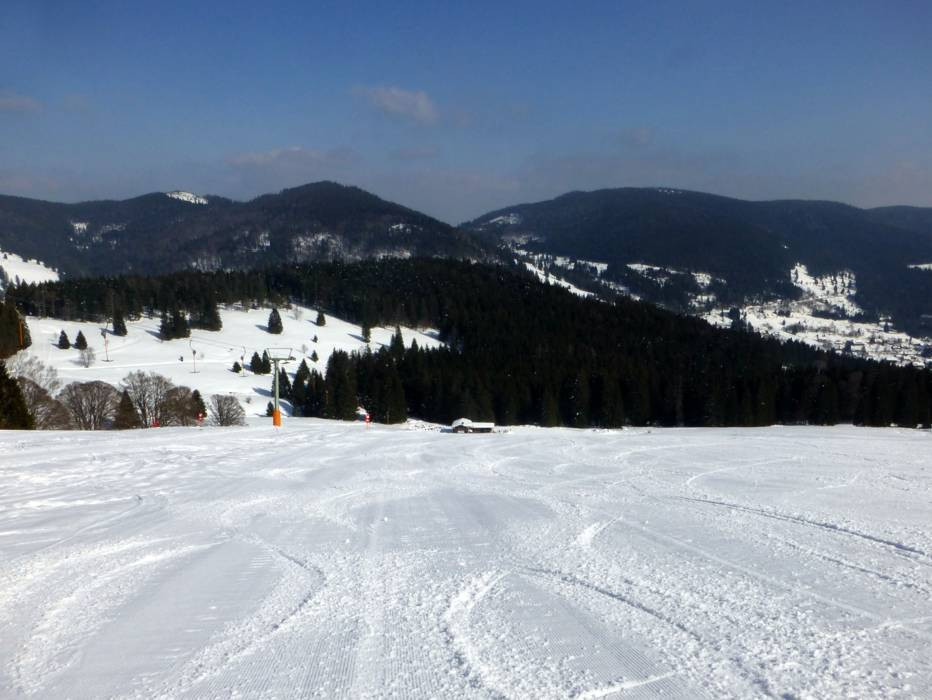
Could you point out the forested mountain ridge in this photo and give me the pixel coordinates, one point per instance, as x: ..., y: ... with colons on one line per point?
x: 918, y: 219
x: 165, y: 232
x: 695, y: 251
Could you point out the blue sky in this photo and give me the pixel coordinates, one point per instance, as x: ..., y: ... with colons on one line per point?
x: 460, y: 109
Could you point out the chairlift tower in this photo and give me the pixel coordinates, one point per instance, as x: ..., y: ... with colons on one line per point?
x: 283, y: 356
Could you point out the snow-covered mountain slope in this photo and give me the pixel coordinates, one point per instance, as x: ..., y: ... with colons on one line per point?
x: 827, y: 316
x: 694, y: 252
x: 171, y: 231
x: 328, y: 560
x: 209, y: 371
x: 826, y: 313
x: 14, y: 269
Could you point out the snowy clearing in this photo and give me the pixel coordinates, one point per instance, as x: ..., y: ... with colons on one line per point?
x: 548, y: 278
x: 16, y: 269
x: 331, y: 560
x: 243, y: 333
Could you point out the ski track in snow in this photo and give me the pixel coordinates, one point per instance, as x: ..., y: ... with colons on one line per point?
x: 330, y: 560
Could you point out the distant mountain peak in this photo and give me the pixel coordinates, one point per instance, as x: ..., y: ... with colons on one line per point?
x: 168, y: 231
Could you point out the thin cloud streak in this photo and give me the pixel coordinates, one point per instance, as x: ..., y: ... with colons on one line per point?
x: 413, y: 106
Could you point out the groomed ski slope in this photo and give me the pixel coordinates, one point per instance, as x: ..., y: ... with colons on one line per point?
x: 331, y: 560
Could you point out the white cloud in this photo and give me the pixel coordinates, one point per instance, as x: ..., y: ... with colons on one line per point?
x: 411, y: 105
x: 13, y: 102
x: 293, y: 156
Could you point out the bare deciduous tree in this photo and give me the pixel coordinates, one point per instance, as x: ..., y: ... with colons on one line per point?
x: 92, y: 404
x: 225, y: 410
x: 297, y: 312
x: 87, y: 357
x: 180, y: 408
x: 148, y: 393
x: 47, y: 412
x: 26, y: 366
x: 38, y: 382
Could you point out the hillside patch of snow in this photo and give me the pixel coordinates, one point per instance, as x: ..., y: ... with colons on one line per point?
x: 511, y: 219
x: 836, y: 290
x: 795, y: 321
x: 188, y: 197
x: 549, y: 278
x: 16, y: 269
x: 662, y: 275
x: 800, y: 320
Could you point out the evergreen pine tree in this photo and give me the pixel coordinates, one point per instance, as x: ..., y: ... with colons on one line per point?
x: 314, y: 396
x: 340, y: 394
x: 269, y: 410
x: 179, y: 324
x: 275, y: 322
x: 80, y: 342
x: 284, y: 384
x: 549, y: 409
x: 237, y: 367
x: 321, y: 321
x: 166, y: 332
x: 255, y: 364
x: 578, y: 400
x: 397, y: 344
x: 198, y: 407
x: 266, y: 363
x: 126, y: 416
x: 314, y: 357
x: 366, y: 333
x: 302, y: 373
x: 14, y: 415
x: 393, y: 399
x: 314, y: 339
x: 119, y: 323
x: 209, y: 316
x: 63, y: 342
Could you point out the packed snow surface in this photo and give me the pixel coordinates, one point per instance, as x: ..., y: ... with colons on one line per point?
x: 334, y: 560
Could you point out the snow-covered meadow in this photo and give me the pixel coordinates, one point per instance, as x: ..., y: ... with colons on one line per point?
x: 209, y: 370
x: 332, y: 560
x: 15, y: 269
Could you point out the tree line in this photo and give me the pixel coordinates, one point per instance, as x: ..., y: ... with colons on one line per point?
x: 32, y: 397
x: 517, y: 351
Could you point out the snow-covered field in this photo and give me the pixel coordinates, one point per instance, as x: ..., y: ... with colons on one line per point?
x: 243, y: 333
x: 331, y: 560
x: 16, y: 269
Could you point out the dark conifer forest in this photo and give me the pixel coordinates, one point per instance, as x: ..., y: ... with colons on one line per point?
x: 517, y: 351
